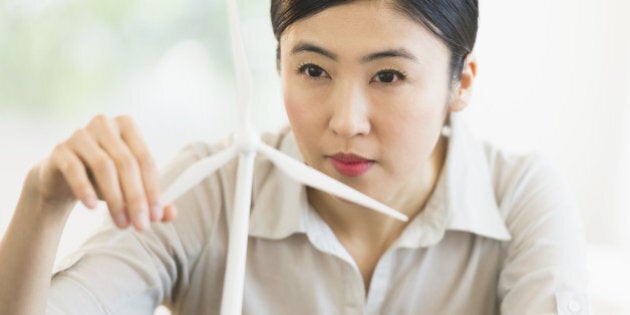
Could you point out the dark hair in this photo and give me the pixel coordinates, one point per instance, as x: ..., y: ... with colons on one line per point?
x: 454, y: 21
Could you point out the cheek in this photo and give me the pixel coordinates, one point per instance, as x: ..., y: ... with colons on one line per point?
x: 414, y: 129
x: 305, y: 105
x: 298, y: 111
x: 417, y: 113
x: 304, y: 120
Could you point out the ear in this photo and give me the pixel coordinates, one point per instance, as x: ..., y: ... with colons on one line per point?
x: 462, y: 93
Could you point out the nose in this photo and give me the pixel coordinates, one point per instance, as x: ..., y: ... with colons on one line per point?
x: 350, y: 115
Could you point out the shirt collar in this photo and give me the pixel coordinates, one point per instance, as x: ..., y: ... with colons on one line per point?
x: 463, y: 199
x: 468, y: 187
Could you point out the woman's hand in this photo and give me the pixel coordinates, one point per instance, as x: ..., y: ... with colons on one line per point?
x: 108, y: 160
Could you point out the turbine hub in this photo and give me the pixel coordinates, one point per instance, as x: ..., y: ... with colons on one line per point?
x: 246, y: 141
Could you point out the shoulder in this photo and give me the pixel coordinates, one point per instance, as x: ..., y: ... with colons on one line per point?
x: 545, y: 260
x: 538, y: 207
x: 521, y: 179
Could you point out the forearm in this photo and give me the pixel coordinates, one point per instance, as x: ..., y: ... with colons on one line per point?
x: 107, y: 158
x: 27, y: 254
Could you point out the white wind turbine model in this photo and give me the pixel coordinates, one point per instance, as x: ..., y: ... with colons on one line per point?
x: 247, y: 143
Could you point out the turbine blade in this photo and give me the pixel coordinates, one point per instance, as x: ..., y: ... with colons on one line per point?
x: 196, y: 173
x: 311, y: 177
x: 244, y: 85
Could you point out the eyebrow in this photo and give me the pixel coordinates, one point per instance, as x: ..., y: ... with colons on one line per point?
x: 390, y: 53
x: 306, y: 47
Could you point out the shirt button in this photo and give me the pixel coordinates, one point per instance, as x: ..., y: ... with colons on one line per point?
x: 574, y: 306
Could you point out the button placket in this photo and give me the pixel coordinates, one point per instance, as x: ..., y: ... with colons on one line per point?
x: 355, y: 298
x: 574, y: 306
x: 379, y: 284
x: 571, y: 303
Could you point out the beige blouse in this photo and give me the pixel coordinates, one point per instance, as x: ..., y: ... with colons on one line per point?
x: 499, y: 235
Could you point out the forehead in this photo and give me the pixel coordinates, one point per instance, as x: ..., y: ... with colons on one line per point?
x: 360, y: 27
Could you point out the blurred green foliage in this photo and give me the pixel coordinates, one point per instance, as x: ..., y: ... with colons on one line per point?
x: 60, y: 54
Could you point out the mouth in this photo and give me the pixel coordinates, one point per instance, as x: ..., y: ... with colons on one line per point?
x: 351, y: 165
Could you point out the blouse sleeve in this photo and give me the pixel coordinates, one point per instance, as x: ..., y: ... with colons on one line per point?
x: 544, y: 270
x: 127, y: 272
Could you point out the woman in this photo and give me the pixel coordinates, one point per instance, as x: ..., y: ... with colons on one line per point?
x: 371, y: 89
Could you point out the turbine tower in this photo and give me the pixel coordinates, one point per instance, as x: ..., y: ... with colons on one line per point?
x: 246, y: 145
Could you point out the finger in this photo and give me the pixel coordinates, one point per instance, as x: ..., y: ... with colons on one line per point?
x: 148, y: 169
x: 75, y: 175
x: 104, y: 172
x: 170, y: 212
x: 107, y: 136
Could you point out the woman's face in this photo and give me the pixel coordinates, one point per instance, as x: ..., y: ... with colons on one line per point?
x: 366, y: 89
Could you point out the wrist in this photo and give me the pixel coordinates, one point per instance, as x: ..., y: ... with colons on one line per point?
x: 34, y: 204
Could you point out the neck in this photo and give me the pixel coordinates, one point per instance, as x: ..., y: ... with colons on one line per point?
x: 355, y: 223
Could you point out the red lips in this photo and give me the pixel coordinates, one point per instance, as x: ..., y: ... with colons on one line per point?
x: 350, y: 164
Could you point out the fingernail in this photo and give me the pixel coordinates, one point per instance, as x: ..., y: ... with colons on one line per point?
x: 120, y: 219
x: 174, y: 211
x: 90, y: 202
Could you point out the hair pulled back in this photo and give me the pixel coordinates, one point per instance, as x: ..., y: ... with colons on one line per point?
x: 453, y: 21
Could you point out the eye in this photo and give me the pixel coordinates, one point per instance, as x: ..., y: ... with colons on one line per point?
x: 312, y: 70
x: 388, y: 76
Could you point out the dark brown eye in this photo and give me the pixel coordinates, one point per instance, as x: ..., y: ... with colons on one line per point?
x: 386, y: 77
x: 314, y: 71
x: 389, y: 76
